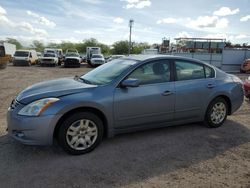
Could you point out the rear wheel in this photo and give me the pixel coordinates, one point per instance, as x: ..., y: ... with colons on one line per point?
x: 216, y: 112
x: 80, y: 133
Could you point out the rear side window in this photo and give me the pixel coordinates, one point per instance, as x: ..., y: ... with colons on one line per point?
x: 209, y: 72
x: 188, y: 70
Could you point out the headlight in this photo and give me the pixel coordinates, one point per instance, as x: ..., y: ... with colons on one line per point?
x: 37, y: 107
x: 237, y: 79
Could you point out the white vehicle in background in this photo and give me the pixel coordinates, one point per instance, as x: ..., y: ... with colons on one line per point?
x: 7, y: 51
x: 25, y: 57
x: 115, y: 57
x: 71, y: 51
x: 72, y: 59
x: 90, y: 51
x: 97, y: 59
x: 49, y: 59
x: 57, y: 51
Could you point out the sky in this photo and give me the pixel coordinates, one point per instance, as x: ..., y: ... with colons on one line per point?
x: 107, y: 20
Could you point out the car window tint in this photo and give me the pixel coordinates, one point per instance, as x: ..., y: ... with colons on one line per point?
x: 154, y: 72
x: 188, y: 70
x: 209, y: 72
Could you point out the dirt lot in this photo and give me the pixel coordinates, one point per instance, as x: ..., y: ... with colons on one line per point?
x: 181, y: 156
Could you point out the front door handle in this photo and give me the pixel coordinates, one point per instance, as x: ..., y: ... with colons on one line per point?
x: 166, y: 93
x: 210, y: 86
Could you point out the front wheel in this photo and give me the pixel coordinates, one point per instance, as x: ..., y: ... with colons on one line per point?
x: 216, y: 113
x: 80, y: 133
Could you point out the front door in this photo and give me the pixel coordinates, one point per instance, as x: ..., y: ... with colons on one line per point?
x: 153, y: 101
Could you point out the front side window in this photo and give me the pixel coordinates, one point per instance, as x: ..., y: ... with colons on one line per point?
x: 151, y: 73
x: 189, y: 71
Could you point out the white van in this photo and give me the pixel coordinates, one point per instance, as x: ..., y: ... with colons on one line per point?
x: 25, y: 57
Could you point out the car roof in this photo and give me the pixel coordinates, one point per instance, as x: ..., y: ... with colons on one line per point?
x: 149, y: 57
x: 141, y: 58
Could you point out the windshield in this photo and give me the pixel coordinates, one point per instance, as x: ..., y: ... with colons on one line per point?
x: 49, y: 55
x: 96, y: 56
x: 50, y: 51
x: 21, y: 54
x: 2, y: 52
x: 72, y: 55
x: 108, y: 72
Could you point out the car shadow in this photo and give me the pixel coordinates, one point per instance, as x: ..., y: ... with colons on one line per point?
x: 120, y: 161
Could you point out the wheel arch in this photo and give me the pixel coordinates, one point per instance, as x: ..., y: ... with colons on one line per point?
x: 95, y: 111
x: 227, y: 99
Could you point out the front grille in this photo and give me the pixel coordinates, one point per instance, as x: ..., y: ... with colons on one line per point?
x: 72, y: 61
x: 14, y: 104
x: 47, y: 60
x: 98, y: 61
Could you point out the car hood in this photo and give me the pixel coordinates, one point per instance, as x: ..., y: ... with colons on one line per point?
x: 72, y: 57
x: 53, y: 88
x: 97, y: 59
x: 47, y: 58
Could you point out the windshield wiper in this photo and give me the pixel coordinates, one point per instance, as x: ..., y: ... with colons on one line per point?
x: 84, y: 80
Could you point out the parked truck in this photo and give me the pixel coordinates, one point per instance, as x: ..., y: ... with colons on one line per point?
x: 7, y: 51
x: 90, y: 51
x: 58, y: 52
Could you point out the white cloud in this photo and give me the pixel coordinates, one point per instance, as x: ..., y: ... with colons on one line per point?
x: 167, y: 21
x: 245, y: 18
x: 4, y: 21
x: 41, y: 20
x: 146, y: 29
x: 183, y: 34
x: 2, y: 10
x: 222, y: 23
x: 208, y: 22
x: 86, y: 32
x: 242, y: 36
x: 217, y: 36
x: 95, y: 2
x: 25, y: 26
x: 225, y: 11
x: 139, y: 4
x: 118, y: 20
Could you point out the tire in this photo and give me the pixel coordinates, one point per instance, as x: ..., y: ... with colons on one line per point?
x: 213, y: 118
x: 80, y: 133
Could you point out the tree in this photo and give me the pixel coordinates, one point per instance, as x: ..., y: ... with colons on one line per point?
x: 14, y: 41
x: 120, y: 47
x: 38, y: 46
x: 137, y: 48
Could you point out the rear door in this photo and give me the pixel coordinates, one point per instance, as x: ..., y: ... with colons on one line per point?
x: 193, y: 86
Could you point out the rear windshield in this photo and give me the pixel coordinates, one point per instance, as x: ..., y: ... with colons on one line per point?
x: 21, y: 54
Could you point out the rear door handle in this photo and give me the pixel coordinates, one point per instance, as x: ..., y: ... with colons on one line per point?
x: 166, y: 93
x: 210, y: 86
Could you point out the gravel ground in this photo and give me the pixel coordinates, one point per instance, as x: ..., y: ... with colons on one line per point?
x: 181, y: 156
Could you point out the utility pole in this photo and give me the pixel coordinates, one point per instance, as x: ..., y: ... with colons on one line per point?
x: 131, y: 22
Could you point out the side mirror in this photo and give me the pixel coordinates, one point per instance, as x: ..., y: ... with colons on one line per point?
x: 130, y: 82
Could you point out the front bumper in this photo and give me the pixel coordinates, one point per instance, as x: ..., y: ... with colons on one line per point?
x: 47, y: 62
x: 97, y: 62
x: 31, y: 130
